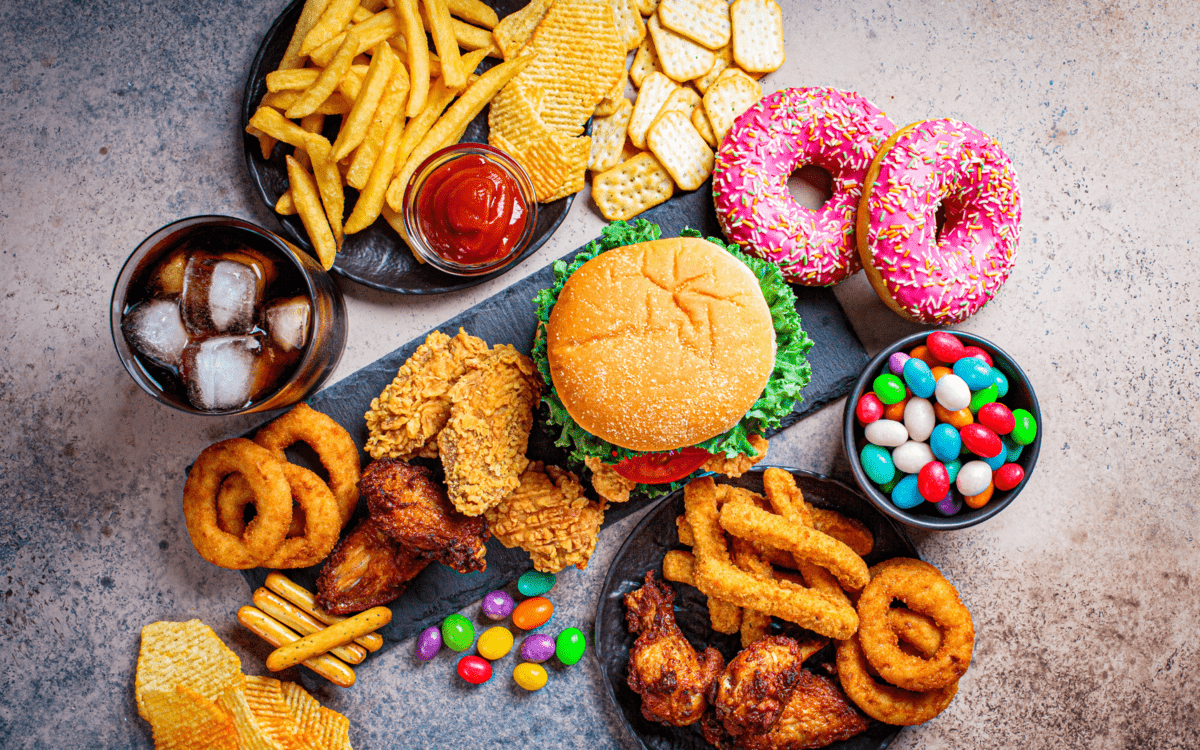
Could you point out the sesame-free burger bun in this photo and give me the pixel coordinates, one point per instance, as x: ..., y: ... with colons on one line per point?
x: 660, y: 345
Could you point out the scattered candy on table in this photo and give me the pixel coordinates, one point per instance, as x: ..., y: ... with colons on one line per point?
x: 537, y: 647
x: 497, y: 605
x: 495, y: 643
x: 530, y: 676
x: 458, y: 633
x: 570, y: 646
x: 533, y: 613
x: 474, y: 669
x: 535, y: 583
x: 429, y: 643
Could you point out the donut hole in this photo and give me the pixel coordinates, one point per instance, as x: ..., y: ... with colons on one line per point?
x: 940, y: 218
x: 811, y: 186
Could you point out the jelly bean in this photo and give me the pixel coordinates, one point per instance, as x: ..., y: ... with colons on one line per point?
x: 940, y: 371
x: 887, y: 487
x: 953, y: 393
x: 997, y: 418
x: 1012, y: 449
x: 535, y: 582
x: 887, y: 433
x: 474, y: 670
x: 570, y: 646
x: 952, y: 469
x: 1025, y: 429
x: 495, y: 643
x: 919, y: 418
x: 998, y: 460
x: 975, y: 351
x: 537, y: 647
x: 933, y: 482
x: 945, y: 442
x: 919, y: 378
x: 1001, y: 382
x: 895, y: 412
x: 530, y: 676
x: 1008, y: 476
x: 958, y: 418
x: 976, y: 373
x: 896, y: 363
x: 910, y: 457
x: 869, y: 408
x: 945, y: 346
x: 906, y: 494
x: 973, y: 478
x: 980, y: 399
x: 949, y: 505
x: 980, y: 500
x: 429, y: 643
x: 877, y: 463
x: 458, y: 633
x: 965, y: 450
x: 981, y: 441
x: 922, y: 353
x: 498, y: 605
x: 533, y: 613
x: 888, y: 388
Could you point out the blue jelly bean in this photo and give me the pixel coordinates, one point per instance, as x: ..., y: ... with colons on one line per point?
x: 975, y: 372
x: 949, y: 505
x: 952, y: 468
x: 945, y: 442
x: 896, y: 363
x: 997, y: 460
x: 1012, y: 450
x: 919, y: 377
x: 906, y: 494
x: 877, y: 463
x: 1000, y: 381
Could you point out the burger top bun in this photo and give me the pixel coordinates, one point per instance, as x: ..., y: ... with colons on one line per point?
x: 660, y: 345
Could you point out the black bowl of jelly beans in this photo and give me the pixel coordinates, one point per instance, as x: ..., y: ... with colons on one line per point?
x: 942, y: 430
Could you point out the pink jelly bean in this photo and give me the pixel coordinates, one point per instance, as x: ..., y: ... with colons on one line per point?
x: 981, y: 441
x: 933, y: 482
x: 945, y: 346
x: 997, y: 418
x: 1008, y: 476
x: 975, y: 351
x: 869, y: 409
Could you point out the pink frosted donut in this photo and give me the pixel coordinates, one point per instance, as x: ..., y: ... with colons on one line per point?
x: 924, y: 275
x: 838, y: 131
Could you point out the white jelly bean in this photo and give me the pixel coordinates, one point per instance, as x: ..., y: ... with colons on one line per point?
x: 974, y: 477
x: 919, y: 418
x: 953, y: 393
x: 910, y: 457
x: 889, y: 433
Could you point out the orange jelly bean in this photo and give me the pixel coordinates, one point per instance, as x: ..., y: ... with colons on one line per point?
x: 980, y: 500
x: 956, y: 419
x: 533, y: 613
x: 939, y: 371
x: 922, y: 353
x: 895, y: 412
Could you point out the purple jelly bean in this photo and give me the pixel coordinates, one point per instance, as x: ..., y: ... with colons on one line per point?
x: 498, y: 605
x: 429, y: 643
x: 896, y: 363
x: 537, y: 647
x: 949, y: 505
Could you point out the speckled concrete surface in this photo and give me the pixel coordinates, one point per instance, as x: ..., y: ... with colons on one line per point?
x: 117, y: 118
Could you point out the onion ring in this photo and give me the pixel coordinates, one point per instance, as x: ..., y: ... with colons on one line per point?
x: 891, y: 705
x: 925, y: 591
x: 322, y: 524
x: 333, y: 445
x: 265, y: 479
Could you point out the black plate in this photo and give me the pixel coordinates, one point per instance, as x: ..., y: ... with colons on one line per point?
x: 644, y: 549
x: 376, y: 256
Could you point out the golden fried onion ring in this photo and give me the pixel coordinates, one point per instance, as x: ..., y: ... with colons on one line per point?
x: 264, y: 478
x: 891, y: 705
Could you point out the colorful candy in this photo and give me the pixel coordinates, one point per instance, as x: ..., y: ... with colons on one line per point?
x: 458, y: 633
x: 945, y: 347
x: 981, y: 441
x: 980, y: 500
x: 888, y: 388
x: 1025, y: 429
x: 570, y: 646
x: 998, y: 460
x: 1001, y: 382
x: 495, y: 643
x: 973, y: 478
x: 1008, y: 476
x: 997, y: 418
x: 497, y: 605
x: 1012, y: 448
x: 429, y: 643
x: 919, y: 377
x: 887, y: 433
x: 911, y: 457
x: 533, y: 613
x: 537, y: 647
x: 952, y: 469
x: 980, y: 399
x: 530, y: 676
x: 474, y: 670
x: 877, y: 463
x: 975, y: 351
x: 896, y: 363
x: 933, y: 482
x: 919, y: 418
x: 956, y: 418
x: 949, y: 505
x: 953, y: 393
x: 869, y: 408
x: 976, y: 373
x: 945, y: 442
x: 907, y: 494
x: 895, y: 412
x: 922, y: 353
x: 535, y: 583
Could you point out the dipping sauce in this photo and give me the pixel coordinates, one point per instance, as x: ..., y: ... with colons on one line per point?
x: 471, y: 211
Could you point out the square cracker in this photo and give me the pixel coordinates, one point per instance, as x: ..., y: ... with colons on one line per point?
x: 656, y: 90
x: 723, y: 61
x: 683, y: 99
x: 629, y: 22
x: 187, y: 654
x: 731, y: 94
x: 702, y: 21
x: 680, y: 149
x: 757, y: 35
x: 645, y: 62
x: 608, y: 137
x: 703, y: 126
x: 681, y: 58
x: 632, y: 187
x: 646, y: 7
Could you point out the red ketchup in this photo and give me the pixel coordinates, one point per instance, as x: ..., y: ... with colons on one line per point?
x: 471, y: 211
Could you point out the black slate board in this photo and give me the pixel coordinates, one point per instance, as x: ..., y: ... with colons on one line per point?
x: 509, y: 318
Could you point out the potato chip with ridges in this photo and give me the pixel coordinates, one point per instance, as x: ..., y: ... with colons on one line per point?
x: 680, y: 57
x: 514, y: 30
x: 680, y: 149
x: 757, y: 35
x: 702, y: 21
x: 645, y: 62
x: 608, y: 137
x: 733, y: 93
x: 612, y: 100
x: 183, y: 719
x: 264, y: 696
x: 184, y: 653
x: 655, y: 92
x: 632, y: 187
x: 319, y: 726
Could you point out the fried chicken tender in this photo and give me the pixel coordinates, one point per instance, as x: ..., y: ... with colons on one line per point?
x: 366, y: 569
x: 738, y: 465
x: 548, y: 517
x: 608, y: 484
x: 484, y: 441
x: 663, y: 667
x: 411, y: 508
x: 404, y: 420
x: 817, y: 714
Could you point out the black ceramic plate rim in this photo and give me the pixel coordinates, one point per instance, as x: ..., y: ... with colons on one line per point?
x: 249, y: 144
x: 639, y: 530
x: 934, y: 523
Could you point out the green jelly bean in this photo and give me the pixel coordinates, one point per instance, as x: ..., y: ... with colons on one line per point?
x: 458, y: 633
x: 535, y: 583
x: 980, y: 399
x: 889, y: 486
x: 877, y: 463
x: 1026, y: 429
x: 889, y: 388
x: 570, y: 646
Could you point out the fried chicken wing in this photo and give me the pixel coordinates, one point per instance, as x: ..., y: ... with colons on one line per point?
x: 412, y: 509
x: 756, y: 685
x: 484, y: 441
x: 816, y: 715
x: 663, y: 667
x: 366, y: 569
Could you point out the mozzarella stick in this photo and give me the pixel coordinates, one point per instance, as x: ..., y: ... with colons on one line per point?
x: 320, y: 642
x: 271, y: 631
x: 303, y: 598
x: 303, y: 623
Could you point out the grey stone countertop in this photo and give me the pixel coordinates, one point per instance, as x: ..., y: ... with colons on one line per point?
x: 119, y: 117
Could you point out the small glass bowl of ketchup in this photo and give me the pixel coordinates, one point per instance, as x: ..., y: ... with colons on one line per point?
x: 469, y: 210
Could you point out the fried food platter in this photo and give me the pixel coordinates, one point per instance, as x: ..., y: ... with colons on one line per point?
x: 376, y: 256
x: 644, y: 549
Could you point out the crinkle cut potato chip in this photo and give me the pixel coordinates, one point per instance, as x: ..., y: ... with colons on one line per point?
x: 703, y: 21
x: 733, y: 93
x: 184, y: 653
x: 681, y: 150
x: 632, y: 187
x: 757, y: 35
x: 612, y: 99
x: 321, y: 727
x: 681, y: 58
x: 264, y: 696
x: 608, y: 138
x: 183, y: 719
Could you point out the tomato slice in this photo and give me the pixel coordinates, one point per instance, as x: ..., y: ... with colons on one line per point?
x: 661, y: 468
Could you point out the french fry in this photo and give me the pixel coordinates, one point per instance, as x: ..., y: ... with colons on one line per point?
x: 439, y: 98
x: 378, y: 28
x: 391, y: 106
x: 355, y: 125
x: 336, y: 104
x: 418, y: 56
x: 468, y: 36
x: 295, y: 79
x: 333, y: 196
x: 360, y: 15
x: 441, y: 28
x: 308, y: 17
x: 285, y: 206
x: 370, y: 200
x: 271, y: 122
x: 471, y: 103
x: 337, y: 14
x: 312, y: 214
x: 313, y: 124
x: 474, y: 11
x: 329, y: 79
x: 266, y: 143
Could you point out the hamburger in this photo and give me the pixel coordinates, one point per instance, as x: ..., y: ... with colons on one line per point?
x: 664, y: 356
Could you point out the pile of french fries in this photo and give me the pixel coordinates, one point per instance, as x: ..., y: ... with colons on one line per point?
x: 399, y: 102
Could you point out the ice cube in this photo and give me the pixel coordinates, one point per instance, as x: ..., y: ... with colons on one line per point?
x: 287, y: 322
x: 220, y: 295
x: 220, y: 372
x: 155, y: 330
